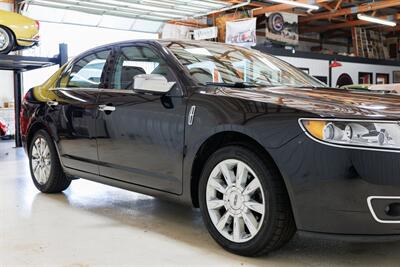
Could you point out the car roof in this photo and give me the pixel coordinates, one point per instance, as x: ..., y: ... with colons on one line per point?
x: 162, y: 42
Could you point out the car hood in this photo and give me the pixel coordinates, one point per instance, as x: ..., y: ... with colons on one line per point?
x: 324, y: 102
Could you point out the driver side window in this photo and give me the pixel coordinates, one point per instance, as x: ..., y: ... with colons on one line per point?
x: 136, y: 60
x: 86, y: 72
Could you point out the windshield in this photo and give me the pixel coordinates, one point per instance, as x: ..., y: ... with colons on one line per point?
x: 214, y: 63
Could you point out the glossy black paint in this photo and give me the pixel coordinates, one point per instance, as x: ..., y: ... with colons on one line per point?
x: 143, y: 129
x: 73, y: 119
x: 146, y: 145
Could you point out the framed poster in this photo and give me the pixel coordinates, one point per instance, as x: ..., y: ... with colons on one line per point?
x: 396, y: 76
x: 282, y: 27
x: 365, y: 78
x: 241, y: 32
x: 382, y: 78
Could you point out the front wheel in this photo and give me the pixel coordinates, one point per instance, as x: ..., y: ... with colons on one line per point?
x: 7, y: 40
x: 46, y: 170
x: 244, y: 202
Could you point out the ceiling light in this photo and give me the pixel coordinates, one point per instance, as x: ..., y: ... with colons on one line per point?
x: 294, y: 3
x: 376, y: 20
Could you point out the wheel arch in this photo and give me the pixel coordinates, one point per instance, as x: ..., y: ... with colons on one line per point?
x: 35, y: 127
x: 217, y: 141
x: 12, y: 32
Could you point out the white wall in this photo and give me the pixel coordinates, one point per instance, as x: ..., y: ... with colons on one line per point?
x: 7, y: 85
x: 6, y: 6
x: 321, y: 68
x: 78, y: 38
x: 6, y: 77
x: 317, y: 67
x: 354, y: 68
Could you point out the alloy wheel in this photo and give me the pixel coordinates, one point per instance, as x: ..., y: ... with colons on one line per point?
x: 4, y: 39
x: 41, y: 160
x: 235, y: 200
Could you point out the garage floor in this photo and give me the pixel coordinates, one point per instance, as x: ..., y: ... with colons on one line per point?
x: 92, y: 224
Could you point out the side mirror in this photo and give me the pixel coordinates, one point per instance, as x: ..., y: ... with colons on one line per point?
x: 153, y: 83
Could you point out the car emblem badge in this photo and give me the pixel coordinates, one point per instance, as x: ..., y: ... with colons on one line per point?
x: 191, y: 115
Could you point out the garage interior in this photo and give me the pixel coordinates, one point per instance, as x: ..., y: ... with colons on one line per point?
x: 90, y: 224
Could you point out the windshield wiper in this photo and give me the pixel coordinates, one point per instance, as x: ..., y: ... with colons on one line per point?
x: 302, y: 86
x: 234, y: 85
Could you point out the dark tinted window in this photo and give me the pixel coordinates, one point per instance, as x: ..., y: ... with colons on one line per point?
x: 87, y: 72
x: 135, y: 60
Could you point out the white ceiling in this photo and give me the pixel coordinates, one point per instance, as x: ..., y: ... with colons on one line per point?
x: 133, y: 15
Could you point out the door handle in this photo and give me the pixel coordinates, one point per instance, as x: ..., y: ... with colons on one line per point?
x: 52, y: 103
x: 106, y: 108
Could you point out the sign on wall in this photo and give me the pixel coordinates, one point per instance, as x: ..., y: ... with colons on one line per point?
x: 205, y: 33
x: 282, y: 27
x: 221, y: 21
x: 172, y: 31
x: 241, y: 32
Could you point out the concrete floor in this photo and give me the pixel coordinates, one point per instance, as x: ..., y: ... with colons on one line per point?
x: 92, y: 224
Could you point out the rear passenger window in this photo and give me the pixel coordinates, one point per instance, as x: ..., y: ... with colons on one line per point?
x: 136, y: 60
x: 87, y: 72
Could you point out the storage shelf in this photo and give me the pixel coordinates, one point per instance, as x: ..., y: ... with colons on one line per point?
x: 20, y: 64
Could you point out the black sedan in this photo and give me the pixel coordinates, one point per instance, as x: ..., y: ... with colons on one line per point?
x: 263, y: 149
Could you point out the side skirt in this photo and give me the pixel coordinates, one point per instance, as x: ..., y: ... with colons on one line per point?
x: 75, y: 174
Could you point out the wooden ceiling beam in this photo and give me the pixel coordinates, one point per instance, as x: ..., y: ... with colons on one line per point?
x: 351, y: 10
x: 327, y: 6
x: 352, y: 23
x: 282, y: 7
x: 338, y: 4
x: 188, y: 23
x: 390, y: 29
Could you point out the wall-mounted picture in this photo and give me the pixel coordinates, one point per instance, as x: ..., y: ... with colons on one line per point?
x: 306, y: 70
x: 396, y: 76
x: 382, y: 78
x: 365, y: 78
x: 282, y: 27
x: 241, y: 32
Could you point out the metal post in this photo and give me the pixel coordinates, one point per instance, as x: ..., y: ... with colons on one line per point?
x: 330, y: 73
x: 17, y: 105
x: 63, y: 54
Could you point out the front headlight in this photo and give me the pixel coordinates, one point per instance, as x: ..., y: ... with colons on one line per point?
x: 354, y: 133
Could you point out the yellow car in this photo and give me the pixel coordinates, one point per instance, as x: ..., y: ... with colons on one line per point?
x: 17, y: 32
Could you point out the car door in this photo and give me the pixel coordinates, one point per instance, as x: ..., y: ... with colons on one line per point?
x: 73, y: 109
x: 140, y: 136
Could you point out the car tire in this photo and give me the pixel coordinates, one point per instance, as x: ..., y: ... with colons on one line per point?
x: 46, y: 170
x: 251, y: 229
x: 7, y: 40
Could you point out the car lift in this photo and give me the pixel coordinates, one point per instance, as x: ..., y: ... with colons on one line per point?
x: 20, y: 64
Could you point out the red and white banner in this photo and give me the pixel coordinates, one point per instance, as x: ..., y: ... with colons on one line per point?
x: 241, y: 32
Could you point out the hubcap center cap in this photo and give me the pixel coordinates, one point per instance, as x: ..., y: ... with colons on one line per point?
x: 235, y: 199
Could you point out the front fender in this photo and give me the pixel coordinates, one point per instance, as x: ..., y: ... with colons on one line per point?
x: 270, y: 125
